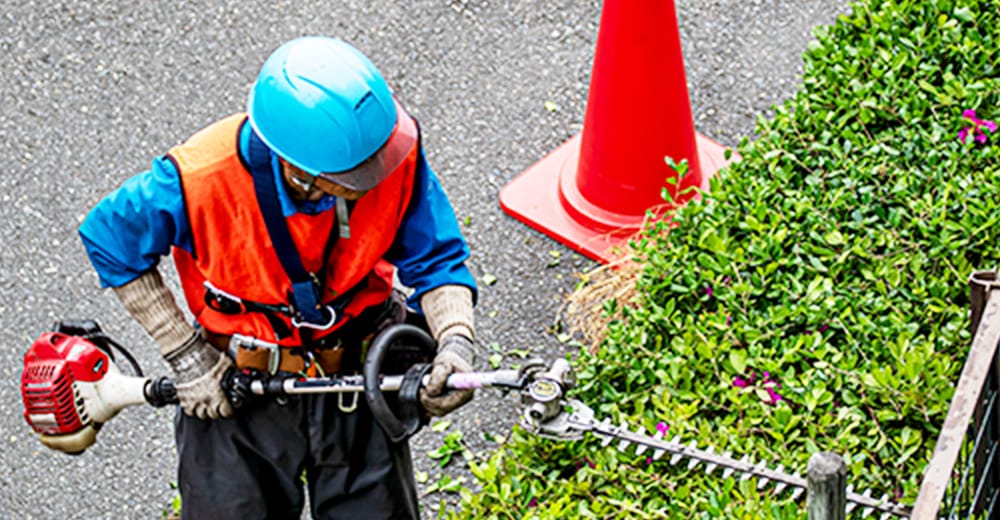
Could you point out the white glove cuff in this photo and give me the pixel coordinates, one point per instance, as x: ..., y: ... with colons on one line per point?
x: 448, y: 310
x: 152, y: 305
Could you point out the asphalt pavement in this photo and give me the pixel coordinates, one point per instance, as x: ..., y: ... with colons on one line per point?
x: 91, y: 91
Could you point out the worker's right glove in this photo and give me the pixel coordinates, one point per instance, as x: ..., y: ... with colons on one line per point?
x: 199, y: 369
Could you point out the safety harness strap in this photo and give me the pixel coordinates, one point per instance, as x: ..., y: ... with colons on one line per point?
x: 306, y: 287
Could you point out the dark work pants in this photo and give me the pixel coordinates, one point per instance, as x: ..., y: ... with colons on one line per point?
x: 251, y: 465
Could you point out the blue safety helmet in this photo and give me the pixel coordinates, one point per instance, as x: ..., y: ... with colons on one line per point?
x: 321, y: 105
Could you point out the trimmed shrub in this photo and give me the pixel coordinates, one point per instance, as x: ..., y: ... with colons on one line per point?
x: 815, y: 299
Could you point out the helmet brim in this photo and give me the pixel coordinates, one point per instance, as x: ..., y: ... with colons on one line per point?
x: 383, y: 162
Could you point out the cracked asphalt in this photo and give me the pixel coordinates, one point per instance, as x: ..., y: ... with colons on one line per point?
x: 92, y: 90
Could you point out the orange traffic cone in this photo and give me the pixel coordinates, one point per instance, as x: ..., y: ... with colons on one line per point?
x: 592, y: 192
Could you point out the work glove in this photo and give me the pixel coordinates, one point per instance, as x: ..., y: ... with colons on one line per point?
x: 455, y: 354
x: 198, y: 366
x: 448, y: 310
x: 199, y: 369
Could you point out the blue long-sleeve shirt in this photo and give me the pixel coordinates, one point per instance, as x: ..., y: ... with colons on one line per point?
x: 129, y: 230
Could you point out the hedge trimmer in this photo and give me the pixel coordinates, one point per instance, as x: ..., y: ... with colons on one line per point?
x: 71, y: 386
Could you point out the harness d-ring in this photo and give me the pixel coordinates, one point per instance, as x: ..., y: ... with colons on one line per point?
x: 330, y: 311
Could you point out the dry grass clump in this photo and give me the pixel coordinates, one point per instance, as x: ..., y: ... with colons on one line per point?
x: 583, y: 312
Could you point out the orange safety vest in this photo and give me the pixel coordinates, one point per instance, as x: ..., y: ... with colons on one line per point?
x: 233, y: 251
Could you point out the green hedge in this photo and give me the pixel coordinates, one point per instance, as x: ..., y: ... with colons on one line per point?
x: 815, y: 299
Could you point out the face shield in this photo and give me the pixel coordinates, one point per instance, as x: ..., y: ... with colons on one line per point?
x: 382, y: 163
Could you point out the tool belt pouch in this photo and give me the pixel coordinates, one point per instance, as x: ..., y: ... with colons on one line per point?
x: 330, y: 359
x: 256, y: 359
x: 290, y: 359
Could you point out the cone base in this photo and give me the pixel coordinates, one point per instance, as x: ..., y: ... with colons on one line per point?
x: 536, y: 199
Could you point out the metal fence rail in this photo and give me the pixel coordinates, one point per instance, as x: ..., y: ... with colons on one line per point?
x: 963, y: 478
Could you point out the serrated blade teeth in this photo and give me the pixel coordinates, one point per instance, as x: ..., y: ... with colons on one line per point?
x: 851, y: 506
x: 797, y: 494
x: 746, y: 475
x: 693, y: 445
x: 726, y: 471
x: 710, y: 467
x: 866, y: 512
x: 779, y: 488
x: 761, y: 482
x: 640, y: 448
x: 606, y: 425
x: 623, y: 444
x: 658, y: 453
x: 885, y: 516
x: 675, y: 459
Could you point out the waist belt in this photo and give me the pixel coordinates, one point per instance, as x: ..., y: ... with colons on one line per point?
x: 338, y: 352
x: 251, y: 353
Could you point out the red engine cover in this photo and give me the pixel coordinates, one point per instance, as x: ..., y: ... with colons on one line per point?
x: 51, y: 365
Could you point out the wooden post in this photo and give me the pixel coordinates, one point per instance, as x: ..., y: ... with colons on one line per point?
x: 826, y: 494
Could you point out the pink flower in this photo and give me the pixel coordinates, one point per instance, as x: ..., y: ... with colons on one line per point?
x: 978, y: 129
x: 774, y: 395
x: 533, y: 502
x: 708, y: 291
x: 739, y: 382
x: 662, y: 427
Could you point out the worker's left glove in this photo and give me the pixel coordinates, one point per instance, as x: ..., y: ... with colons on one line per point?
x: 199, y: 369
x: 455, y: 354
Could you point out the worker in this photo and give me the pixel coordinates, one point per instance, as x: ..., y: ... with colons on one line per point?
x: 309, y: 222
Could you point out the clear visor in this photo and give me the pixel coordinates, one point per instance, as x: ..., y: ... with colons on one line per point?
x: 382, y: 163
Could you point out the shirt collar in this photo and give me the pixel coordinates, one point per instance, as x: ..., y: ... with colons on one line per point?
x: 289, y: 207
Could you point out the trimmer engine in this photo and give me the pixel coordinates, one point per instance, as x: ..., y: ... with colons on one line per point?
x: 71, y: 386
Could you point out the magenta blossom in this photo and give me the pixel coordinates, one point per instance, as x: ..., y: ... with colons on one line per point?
x: 769, y: 384
x: 580, y: 463
x: 662, y: 427
x: 533, y: 502
x: 739, y: 382
x: 979, y: 127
